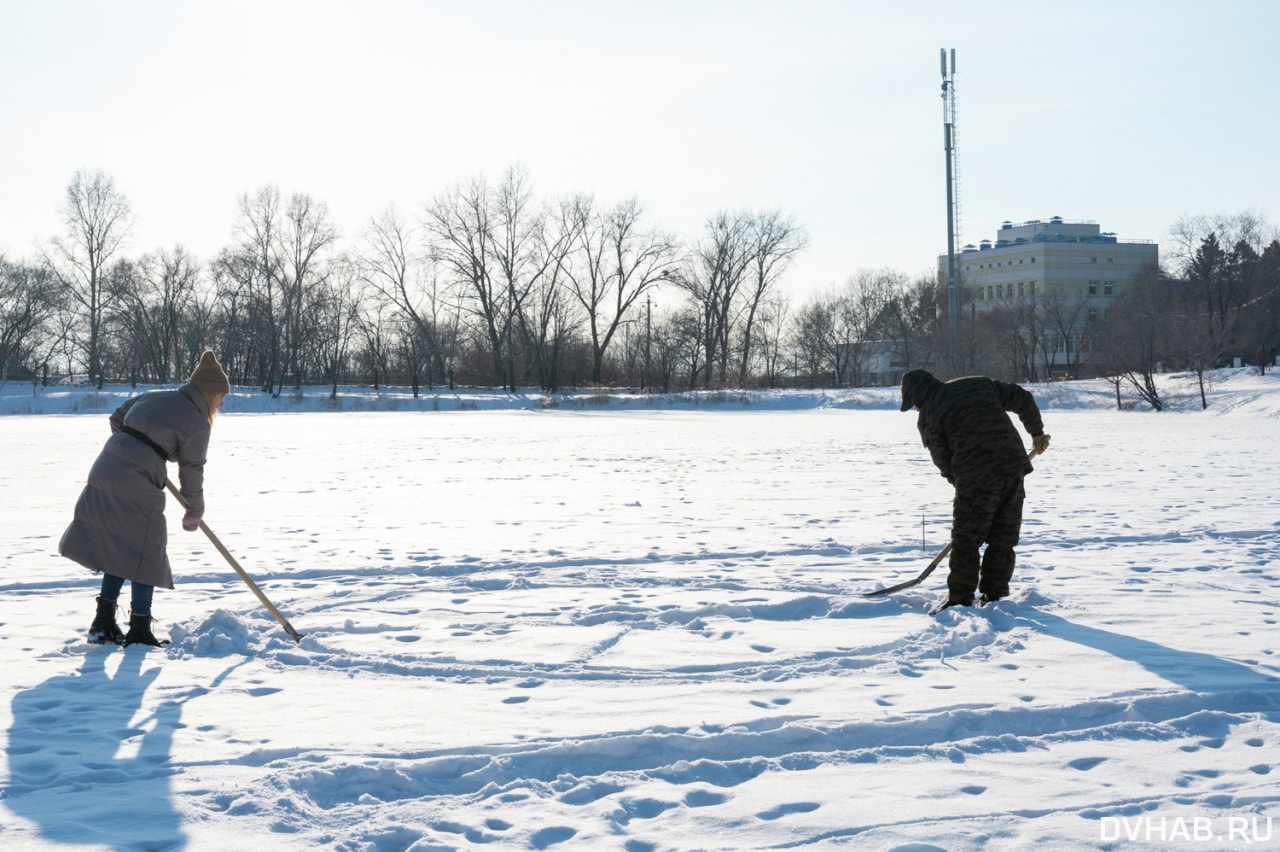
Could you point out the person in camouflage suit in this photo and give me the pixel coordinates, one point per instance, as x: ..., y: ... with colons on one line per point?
x: 975, y: 445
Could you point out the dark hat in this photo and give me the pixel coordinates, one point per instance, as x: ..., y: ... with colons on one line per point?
x: 915, y: 384
x: 208, y: 375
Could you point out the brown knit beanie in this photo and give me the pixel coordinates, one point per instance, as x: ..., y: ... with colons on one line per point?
x: 208, y: 376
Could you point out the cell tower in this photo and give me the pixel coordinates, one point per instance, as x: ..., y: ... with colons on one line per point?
x: 953, y: 200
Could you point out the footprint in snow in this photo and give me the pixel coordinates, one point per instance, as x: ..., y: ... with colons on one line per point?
x: 549, y: 837
x: 585, y: 794
x: 1084, y: 764
x: 793, y: 808
x: 704, y: 799
x: 645, y: 809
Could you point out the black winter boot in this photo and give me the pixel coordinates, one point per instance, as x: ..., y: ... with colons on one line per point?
x: 947, y: 604
x: 104, y: 630
x: 140, y: 632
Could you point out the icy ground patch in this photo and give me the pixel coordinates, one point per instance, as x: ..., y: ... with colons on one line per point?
x: 644, y: 630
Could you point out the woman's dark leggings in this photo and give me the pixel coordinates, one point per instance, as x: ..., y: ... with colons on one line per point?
x: 142, y: 593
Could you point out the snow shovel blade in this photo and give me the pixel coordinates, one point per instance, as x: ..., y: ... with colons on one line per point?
x: 906, y: 584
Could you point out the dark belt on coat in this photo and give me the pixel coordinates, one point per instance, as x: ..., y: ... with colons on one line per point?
x: 129, y: 430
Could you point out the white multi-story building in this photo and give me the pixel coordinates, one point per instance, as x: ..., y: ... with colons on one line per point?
x: 1053, y: 262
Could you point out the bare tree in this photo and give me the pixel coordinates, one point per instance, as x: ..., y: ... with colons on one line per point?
x: 816, y: 340
x: 713, y: 281
x: 250, y: 270
x: 865, y: 315
x: 1060, y: 318
x: 1137, y: 333
x: 281, y: 261
x: 339, y: 308
x: 305, y: 266
x: 621, y: 261
x: 776, y: 240
x: 909, y: 321
x: 460, y: 240
x: 153, y: 308
x: 772, y: 321
x: 666, y: 348
x: 1013, y: 330
x: 98, y: 222
x: 405, y: 279
x: 1189, y: 232
x: 547, y: 318
x: 29, y: 302
x: 233, y: 281
x: 520, y: 265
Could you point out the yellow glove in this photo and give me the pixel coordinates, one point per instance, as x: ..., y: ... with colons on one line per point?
x: 1040, y: 443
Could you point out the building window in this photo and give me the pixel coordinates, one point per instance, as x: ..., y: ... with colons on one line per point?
x: 1108, y: 288
x: 1093, y: 288
x: 991, y: 291
x: 1093, y: 315
x: 1033, y: 289
x: 1020, y: 293
x: 1033, y: 260
x: 1093, y: 260
x: 1111, y: 260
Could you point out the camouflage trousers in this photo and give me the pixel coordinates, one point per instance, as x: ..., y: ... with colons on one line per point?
x: 988, y: 511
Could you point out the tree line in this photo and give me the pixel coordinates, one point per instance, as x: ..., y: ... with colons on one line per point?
x: 1220, y: 306
x: 486, y: 285
x: 489, y: 285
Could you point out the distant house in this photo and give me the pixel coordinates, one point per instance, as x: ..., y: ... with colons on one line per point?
x: 875, y: 363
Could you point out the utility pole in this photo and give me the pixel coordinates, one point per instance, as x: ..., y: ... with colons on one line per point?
x: 953, y: 200
x: 648, y: 338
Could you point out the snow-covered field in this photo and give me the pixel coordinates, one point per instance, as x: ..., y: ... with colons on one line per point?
x: 638, y: 624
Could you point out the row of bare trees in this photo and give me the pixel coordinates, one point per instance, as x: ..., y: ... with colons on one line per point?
x: 488, y: 285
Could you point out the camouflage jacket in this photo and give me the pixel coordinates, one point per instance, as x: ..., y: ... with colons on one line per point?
x: 965, y: 426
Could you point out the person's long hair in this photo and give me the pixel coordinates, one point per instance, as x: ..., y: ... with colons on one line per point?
x: 211, y: 402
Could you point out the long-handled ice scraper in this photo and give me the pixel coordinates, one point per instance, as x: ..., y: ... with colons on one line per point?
x: 284, y: 622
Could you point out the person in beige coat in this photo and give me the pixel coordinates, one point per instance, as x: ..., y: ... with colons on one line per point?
x: 119, y: 527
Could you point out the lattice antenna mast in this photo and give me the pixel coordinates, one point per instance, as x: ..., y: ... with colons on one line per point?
x: 953, y: 200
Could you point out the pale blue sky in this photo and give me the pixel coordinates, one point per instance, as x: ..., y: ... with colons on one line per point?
x: 1130, y: 114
